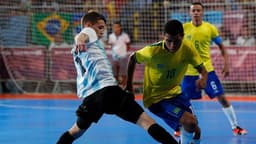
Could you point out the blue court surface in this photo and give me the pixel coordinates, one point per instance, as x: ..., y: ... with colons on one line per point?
x: 28, y: 121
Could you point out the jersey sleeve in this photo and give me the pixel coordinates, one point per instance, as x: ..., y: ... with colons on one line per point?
x: 217, y: 40
x: 143, y: 55
x: 215, y: 35
x: 91, y: 34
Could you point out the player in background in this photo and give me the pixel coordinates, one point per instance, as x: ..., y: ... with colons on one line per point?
x: 201, y: 34
x: 99, y: 89
x: 120, y: 44
x: 165, y: 65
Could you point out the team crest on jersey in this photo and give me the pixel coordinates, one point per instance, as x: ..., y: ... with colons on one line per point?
x: 189, y: 37
x: 160, y: 66
x: 176, y: 110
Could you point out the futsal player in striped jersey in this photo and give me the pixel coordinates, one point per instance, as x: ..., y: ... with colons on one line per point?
x: 202, y: 34
x: 99, y: 89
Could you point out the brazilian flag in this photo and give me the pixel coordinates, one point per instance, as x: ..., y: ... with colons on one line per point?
x: 46, y: 25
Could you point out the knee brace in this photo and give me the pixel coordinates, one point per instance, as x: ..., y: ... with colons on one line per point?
x: 83, y: 124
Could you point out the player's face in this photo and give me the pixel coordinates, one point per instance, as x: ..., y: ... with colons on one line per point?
x: 117, y: 29
x: 173, y: 43
x: 196, y: 13
x: 100, y: 28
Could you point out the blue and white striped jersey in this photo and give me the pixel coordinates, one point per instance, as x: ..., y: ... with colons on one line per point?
x: 94, y: 70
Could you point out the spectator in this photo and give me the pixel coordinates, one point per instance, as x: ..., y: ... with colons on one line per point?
x: 59, y: 42
x: 245, y: 38
x: 120, y: 44
x: 225, y: 35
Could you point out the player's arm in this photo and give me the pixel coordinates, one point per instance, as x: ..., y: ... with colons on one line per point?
x: 218, y: 41
x: 225, y: 70
x: 128, y: 43
x: 81, y: 40
x: 201, y: 83
x: 128, y: 46
x: 85, y: 36
x: 130, y: 71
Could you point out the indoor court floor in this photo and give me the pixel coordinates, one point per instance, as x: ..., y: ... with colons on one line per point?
x: 41, y: 120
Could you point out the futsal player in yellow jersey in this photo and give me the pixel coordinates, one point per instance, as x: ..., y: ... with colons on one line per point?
x: 201, y: 34
x: 99, y: 89
x: 165, y: 65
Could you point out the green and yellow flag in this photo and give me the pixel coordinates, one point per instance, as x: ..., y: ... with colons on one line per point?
x: 46, y: 25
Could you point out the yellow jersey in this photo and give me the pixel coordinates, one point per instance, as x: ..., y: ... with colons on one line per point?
x: 201, y: 37
x: 164, y: 70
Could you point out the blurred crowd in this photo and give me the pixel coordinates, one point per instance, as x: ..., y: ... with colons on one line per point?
x: 57, y: 21
x: 142, y: 20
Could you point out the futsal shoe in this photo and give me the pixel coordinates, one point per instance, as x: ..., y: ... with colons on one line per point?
x: 239, y: 131
x: 177, y: 133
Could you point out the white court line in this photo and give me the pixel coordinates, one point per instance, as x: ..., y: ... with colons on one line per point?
x: 220, y: 111
x: 37, y: 107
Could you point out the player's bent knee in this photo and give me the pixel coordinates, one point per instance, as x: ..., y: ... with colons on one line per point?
x: 80, y: 112
x: 189, y: 122
x: 83, y: 124
x: 193, y: 125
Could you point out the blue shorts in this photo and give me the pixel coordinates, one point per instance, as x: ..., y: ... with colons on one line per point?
x: 171, y: 110
x: 213, y: 88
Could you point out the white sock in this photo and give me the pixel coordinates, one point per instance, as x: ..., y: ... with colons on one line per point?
x: 193, y: 112
x: 185, y: 136
x: 230, y: 113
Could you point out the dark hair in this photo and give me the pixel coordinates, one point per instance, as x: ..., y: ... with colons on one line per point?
x: 198, y: 3
x: 92, y: 17
x: 173, y: 27
x: 118, y: 22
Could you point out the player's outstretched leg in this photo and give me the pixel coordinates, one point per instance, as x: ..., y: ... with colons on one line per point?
x: 231, y: 115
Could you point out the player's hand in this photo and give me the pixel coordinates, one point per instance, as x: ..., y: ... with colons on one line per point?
x: 80, y: 48
x: 225, y: 71
x: 201, y: 83
x: 81, y: 40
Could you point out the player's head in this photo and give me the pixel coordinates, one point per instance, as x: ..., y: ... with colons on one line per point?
x: 173, y: 35
x: 95, y: 21
x: 196, y: 12
x: 117, y: 27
